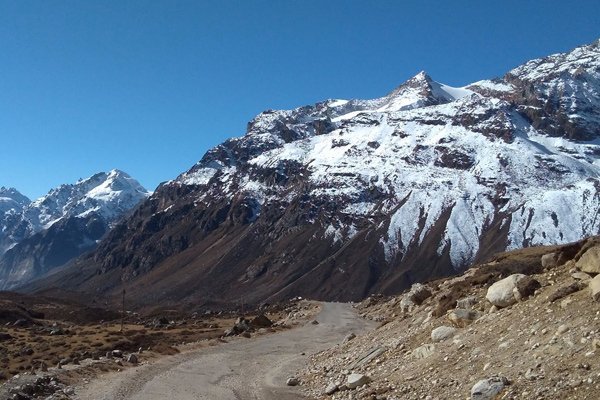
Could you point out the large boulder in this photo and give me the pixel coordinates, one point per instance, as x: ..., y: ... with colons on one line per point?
x: 590, y: 261
x: 501, y: 293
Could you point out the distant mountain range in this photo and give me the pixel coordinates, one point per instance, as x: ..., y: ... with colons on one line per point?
x: 38, y: 236
x: 345, y: 198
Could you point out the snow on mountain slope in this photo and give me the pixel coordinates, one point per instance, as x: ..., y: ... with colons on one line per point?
x: 27, y: 244
x: 107, y: 194
x: 426, y: 149
x: 11, y: 200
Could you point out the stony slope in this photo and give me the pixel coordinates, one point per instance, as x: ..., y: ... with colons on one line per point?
x: 41, y: 235
x: 545, y: 346
x: 346, y: 198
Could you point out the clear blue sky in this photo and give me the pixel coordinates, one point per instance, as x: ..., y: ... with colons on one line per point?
x: 149, y: 86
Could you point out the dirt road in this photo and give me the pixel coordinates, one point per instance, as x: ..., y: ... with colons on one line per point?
x: 254, y: 368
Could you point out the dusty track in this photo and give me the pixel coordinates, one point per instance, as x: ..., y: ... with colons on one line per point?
x: 243, y: 369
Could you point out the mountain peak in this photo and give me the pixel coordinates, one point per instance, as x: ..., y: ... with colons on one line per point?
x: 12, y: 196
x: 421, y: 76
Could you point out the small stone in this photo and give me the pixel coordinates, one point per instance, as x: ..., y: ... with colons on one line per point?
x: 423, y: 351
x: 562, y: 329
x: 355, y: 380
x: 594, y: 285
x: 488, y: 389
x: 549, y: 260
x: 331, y: 388
x: 461, y: 317
x: 466, y: 302
x: 293, y: 381
x: 132, y: 358
x: 349, y: 337
x: 442, y: 333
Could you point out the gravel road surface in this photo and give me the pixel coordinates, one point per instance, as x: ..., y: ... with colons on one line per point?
x: 254, y: 368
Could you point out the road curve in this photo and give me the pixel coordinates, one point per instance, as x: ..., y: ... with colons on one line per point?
x: 254, y: 368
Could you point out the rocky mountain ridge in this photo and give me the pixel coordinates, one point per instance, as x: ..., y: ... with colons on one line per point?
x: 350, y: 197
x: 48, y: 232
x: 11, y: 200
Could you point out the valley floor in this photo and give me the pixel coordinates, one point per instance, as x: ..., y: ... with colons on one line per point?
x: 254, y: 368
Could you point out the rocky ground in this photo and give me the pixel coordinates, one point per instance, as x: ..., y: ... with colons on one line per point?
x: 523, y: 326
x: 44, y: 356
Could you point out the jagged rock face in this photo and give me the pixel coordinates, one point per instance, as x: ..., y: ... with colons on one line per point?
x: 346, y: 198
x: 41, y: 235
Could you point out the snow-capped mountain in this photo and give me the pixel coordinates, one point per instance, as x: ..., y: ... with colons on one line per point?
x: 349, y: 197
x: 70, y: 219
x: 11, y: 201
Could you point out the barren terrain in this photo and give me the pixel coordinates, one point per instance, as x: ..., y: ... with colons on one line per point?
x: 255, y: 368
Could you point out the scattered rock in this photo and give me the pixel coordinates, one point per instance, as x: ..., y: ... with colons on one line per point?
x: 562, y: 329
x: 488, y: 389
x: 367, y: 357
x: 5, y: 336
x: 423, y: 351
x: 466, y: 302
x: 417, y: 294
x: 580, y: 276
x: 442, y: 333
x: 349, y: 337
x: 331, y: 388
x: 132, y: 358
x: 314, y: 322
x: 525, y: 288
x: 355, y: 380
x: 293, y: 381
x: 261, y: 321
x: 549, y: 260
x: 241, y: 325
x: 565, y: 290
x: 594, y: 286
x: 57, y: 331
x: 461, y: 317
